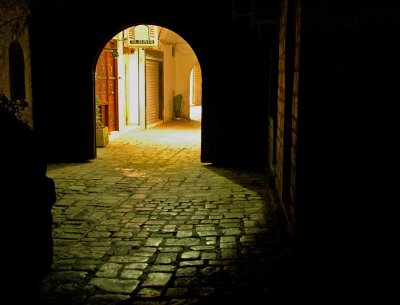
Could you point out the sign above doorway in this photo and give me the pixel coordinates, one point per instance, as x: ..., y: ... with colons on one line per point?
x: 141, y: 36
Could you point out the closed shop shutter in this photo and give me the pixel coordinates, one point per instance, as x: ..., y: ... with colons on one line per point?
x: 152, y: 92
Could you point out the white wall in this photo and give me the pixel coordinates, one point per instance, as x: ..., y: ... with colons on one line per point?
x: 184, y: 62
x: 169, y: 82
x: 132, y: 94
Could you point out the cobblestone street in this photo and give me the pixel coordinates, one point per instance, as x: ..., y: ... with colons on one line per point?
x: 148, y: 223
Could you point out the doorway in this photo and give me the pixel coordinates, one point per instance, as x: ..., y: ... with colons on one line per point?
x: 106, y: 86
x: 195, y: 93
x: 138, y: 74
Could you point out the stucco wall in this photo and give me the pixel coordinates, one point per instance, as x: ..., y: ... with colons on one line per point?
x: 185, y: 61
x: 169, y: 82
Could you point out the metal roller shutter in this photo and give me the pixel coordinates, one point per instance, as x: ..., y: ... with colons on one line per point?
x: 152, y: 92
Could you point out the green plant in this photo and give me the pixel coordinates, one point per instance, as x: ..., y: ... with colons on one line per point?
x: 99, y: 122
x: 13, y: 107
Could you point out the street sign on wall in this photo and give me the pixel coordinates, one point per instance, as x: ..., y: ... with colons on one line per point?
x: 142, y: 35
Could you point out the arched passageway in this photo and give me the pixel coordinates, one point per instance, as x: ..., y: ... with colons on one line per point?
x: 146, y: 75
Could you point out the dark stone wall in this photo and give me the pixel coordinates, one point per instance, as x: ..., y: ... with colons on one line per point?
x: 347, y: 83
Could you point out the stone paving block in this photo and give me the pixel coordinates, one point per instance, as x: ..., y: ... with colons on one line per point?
x: 128, y: 259
x: 98, y: 243
x: 131, y: 274
x: 162, y: 235
x: 122, y: 234
x: 190, y: 255
x: 147, y: 249
x: 162, y: 268
x: 202, y: 248
x: 157, y: 279
x: 232, y: 231
x: 176, y: 292
x: 153, y: 242
x: 98, y: 234
x: 166, y: 258
x: 208, y: 255
x: 169, y: 228
x: 123, y: 210
x: 228, y: 245
x: 141, y: 253
x: 207, y: 232
x: 143, y: 234
x: 184, y: 233
x: 155, y: 222
x: 149, y: 293
x: 139, y: 266
x: 109, y: 270
x: 151, y: 228
x: 186, y: 271
x: 233, y: 215
x: 182, y: 241
x: 230, y: 225
x: 119, y: 251
x: 114, y: 285
x: 72, y: 236
x: 191, y: 263
x: 97, y: 215
x: 138, y: 196
x: 128, y: 243
x: 209, y: 221
x: 184, y: 281
x: 170, y: 249
x: 228, y: 239
x: 230, y: 221
x: 211, y: 240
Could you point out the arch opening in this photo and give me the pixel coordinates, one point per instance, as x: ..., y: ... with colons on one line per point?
x: 138, y: 76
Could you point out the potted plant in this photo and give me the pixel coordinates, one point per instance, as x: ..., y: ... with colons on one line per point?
x: 102, y: 134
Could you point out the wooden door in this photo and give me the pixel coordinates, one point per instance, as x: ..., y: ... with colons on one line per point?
x: 106, y: 89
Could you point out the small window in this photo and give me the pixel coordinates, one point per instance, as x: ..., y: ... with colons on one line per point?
x: 17, y: 71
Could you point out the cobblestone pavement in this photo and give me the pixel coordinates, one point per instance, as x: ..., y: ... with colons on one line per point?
x: 147, y: 223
